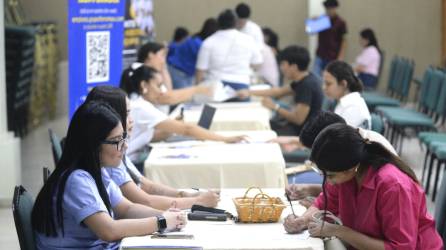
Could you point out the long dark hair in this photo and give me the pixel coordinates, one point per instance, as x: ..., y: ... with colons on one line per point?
x: 131, y: 78
x: 369, y: 35
x: 340, y: 147
x: 116, y: 98
x: 210, y: 26
x: 90, y: 125
x: 343, y: 71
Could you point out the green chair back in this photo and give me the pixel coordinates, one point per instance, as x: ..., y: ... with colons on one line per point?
x: 56, y: 146
x: 392, y: 69
x: 425, y: 86
x: 433, y: 90
x: 441, y: 103
x: 22, y: 205
x: 410, y: 66
x: 440, y: 210
x: 377, y: 123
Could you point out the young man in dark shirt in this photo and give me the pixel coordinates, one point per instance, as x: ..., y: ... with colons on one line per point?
x: 331, y: 42
x: 305, y: 86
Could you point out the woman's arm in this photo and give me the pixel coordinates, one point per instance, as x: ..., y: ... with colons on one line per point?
x: 296, y: 224
x: 359, y: 68
x: 151, y: 187
x: 129, y: 210
x: 167, y: 80
x: 355, y: 239
x: 182, y: 95
x: 195, y: 131
x: 108, y: 229
x: 358, y: 240
x: 136, y: 195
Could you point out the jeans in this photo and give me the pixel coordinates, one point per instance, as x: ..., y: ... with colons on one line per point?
x: 319, y: 66
x: 368, y: 80
x: 179, y: 78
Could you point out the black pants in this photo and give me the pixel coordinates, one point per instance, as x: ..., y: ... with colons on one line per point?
x: 284, y: 128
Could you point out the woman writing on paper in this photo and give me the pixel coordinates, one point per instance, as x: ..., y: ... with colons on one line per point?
x: 374, y: 193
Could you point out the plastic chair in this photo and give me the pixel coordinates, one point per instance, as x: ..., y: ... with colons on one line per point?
x: 440, y: 211
x: 22, y: 205
x: 46, y: 174
x: 56, y: 146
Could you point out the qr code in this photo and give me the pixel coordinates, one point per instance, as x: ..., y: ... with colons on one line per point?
x: 98, y: 56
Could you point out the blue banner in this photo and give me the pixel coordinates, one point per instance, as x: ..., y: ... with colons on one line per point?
x: 95, y: 44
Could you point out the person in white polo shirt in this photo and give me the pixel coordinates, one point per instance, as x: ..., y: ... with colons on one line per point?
x: 228, y: 55
x: 341, y: 84
x: 247, y: 26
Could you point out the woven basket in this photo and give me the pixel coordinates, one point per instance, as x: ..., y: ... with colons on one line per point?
x: 258, y: 209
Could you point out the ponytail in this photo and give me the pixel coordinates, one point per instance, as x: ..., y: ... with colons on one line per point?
x: 376, y: 155
x: 343, y: 71
x: 133, y: 76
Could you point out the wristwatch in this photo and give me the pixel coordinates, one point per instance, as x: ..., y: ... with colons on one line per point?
x: 162, y: 223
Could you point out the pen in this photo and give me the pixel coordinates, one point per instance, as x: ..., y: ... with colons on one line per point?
x: 291, y: 204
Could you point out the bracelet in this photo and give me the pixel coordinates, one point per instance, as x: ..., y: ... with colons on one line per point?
x: 277, y: 107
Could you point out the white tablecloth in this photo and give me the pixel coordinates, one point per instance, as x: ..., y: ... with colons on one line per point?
x: 229, y: 235
x: 217, y: 165
x: 231, y: 116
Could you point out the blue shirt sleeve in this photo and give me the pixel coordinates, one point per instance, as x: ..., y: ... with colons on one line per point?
x: 119, y: 174
x: 114, y: 193
x: 81, y: 196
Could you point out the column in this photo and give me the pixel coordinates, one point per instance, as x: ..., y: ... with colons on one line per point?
x: 10, y: 164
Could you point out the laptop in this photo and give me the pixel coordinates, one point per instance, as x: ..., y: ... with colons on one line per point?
x: 205, y: 121
x: 316, y: 25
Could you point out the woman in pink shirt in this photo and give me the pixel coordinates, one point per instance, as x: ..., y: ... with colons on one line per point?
x: 374, y: 193
x: 368, y: 61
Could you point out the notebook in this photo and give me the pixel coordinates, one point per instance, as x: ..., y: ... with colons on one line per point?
x: 205, y: 121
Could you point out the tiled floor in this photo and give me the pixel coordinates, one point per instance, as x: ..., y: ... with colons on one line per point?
x: 36, y: 153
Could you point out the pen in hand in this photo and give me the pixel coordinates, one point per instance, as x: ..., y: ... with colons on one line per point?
x: 291, y: 204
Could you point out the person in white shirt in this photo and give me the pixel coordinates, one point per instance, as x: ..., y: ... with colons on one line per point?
x: 153, y: 54
x: 245, y: 25
x: 268, y: 70
x: 150, y: 123
x: 341, y: 84
x: 228, y: 55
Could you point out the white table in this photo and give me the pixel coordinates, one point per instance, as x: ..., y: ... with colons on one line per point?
x: 231, y: 116
x: 217, y: 165
x: 230, y: 235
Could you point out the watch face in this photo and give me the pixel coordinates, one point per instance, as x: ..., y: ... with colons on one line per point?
x: 162, y: 223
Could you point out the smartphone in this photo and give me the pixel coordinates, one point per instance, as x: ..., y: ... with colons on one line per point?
x: 198, y: 215
x: 173, y: 236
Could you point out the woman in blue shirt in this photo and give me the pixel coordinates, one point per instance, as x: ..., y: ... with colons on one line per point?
x: 132, y: 183
x: 79, y: 206
x: 182, y: 61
